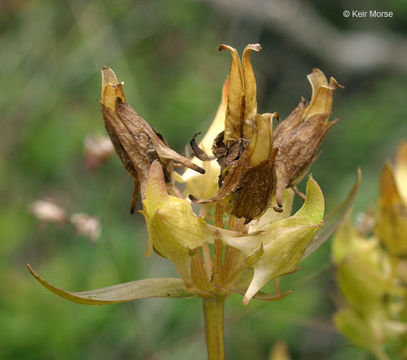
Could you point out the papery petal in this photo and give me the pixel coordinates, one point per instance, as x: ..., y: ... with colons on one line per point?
x: 111, y: 88
x: 322, y: 93
x: 139, y: 128
x: 233, y: 121
x: 250, y: 91
x: 298, y: 150
x: 289, y: 123
x: 135, y: 141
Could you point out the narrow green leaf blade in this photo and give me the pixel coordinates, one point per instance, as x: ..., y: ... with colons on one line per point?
x: 140, y: 289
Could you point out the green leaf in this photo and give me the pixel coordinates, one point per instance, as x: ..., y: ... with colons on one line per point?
x: 140, y: 289
x: 334, y: 219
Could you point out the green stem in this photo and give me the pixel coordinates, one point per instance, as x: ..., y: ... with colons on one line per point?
x: 213, y: 314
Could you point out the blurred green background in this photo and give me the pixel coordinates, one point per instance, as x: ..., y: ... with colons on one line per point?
x: 165, y: 51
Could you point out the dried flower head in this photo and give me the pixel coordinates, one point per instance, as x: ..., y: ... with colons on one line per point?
x: 254, y: 164
x: 135, y: 141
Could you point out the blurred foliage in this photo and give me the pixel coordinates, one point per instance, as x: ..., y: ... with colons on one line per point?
x: 166, y: 53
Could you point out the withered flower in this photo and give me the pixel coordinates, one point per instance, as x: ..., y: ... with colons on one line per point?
x: 299, y: 136
x: 244, y: 150
x: 135, y: 141
x: 254, y: 164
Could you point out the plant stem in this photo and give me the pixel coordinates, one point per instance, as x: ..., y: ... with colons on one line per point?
x: 214, y: 318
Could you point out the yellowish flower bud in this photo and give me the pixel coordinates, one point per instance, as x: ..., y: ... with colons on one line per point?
x: 392, y: 218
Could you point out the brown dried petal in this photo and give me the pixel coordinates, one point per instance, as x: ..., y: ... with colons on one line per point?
x: 227, y: 155
x: 255, y: 191
x: 289, y: 123
x: 198, y: 152
x: 135, y: 141
x: 131, y: 152
x: 298, y: 150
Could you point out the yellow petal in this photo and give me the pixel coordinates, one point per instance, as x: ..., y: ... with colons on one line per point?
x: 314, y: 204
x: 233, y: 121
x: 400, y: 170
x: 111, y: 88
x: 206, y: 185
x: 156, y: 190
x: 261, y: 143
x: 165, y: 243
x: 250, y: 91
x: 322, y: 94
x: 392, y: 218
x: 218, y: 123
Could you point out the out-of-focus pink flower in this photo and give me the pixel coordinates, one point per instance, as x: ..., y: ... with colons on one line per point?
x: 97, y: 150
x: 48, y: 212
x: 86, y: 225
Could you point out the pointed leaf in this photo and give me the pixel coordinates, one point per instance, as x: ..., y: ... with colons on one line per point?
x: 140, y: 289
